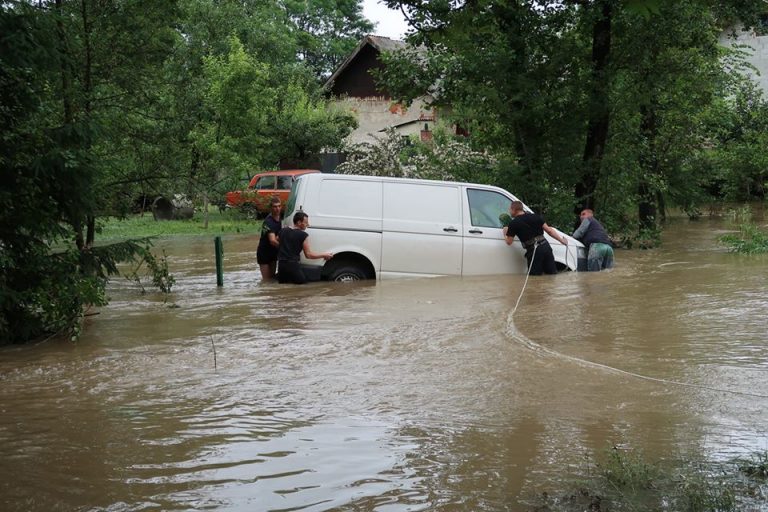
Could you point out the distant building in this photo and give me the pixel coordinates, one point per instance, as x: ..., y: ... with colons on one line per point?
x: 354, y: 88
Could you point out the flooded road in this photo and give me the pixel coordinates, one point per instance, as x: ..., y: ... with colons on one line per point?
x: 423, y: 394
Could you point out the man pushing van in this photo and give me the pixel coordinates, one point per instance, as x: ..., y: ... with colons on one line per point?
x: 292, y: 242
x: 530, y: 228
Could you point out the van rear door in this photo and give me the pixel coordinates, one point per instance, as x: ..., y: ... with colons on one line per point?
x: 485, y: 251
x: 421, y: 229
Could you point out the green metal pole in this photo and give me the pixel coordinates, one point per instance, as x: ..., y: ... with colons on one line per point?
x: 219, y: 258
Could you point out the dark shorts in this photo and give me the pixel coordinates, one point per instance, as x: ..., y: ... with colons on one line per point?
x: 290, y: 272
x: 543, y: 261
x: 266, y: 255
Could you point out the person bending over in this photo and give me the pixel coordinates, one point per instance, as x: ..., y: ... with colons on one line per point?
x: 530, y: 228
x: 292, y: 242
x: 599, y: 245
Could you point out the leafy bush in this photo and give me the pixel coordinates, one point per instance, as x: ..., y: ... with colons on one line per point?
x: 626, y: 481
x: 446, y: 158
x: 749, y: 239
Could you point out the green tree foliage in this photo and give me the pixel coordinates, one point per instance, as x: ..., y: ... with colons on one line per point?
x: 238, y: 105
x: 735, y: 161
x: 252, y: 119
x: 326, y: 31
x: 105, y: 100
x: 515, y: 74
x: 601, y: 103
x: 48, y: 190
x: 288, y: 117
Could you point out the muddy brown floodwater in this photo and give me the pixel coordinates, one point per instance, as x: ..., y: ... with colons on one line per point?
x: 422, y: 394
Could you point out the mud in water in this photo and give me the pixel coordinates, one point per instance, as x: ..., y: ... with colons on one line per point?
x: 422, y: 394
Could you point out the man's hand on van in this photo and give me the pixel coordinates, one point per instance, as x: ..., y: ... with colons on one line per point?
x: 327, y: 256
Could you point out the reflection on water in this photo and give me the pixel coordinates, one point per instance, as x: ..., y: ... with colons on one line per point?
x: 421, y: 394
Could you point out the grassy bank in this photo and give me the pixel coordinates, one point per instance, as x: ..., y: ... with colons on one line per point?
x: 622, y: 480
x: 140, y: 226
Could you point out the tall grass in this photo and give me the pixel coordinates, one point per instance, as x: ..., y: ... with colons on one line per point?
x: 622, y: 480
x: 749, y: 239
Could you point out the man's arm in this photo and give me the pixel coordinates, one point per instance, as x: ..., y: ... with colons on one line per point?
x: 314, y: 255
x: 581, y: 230
x: 554, y: 234
x: 509, y: 239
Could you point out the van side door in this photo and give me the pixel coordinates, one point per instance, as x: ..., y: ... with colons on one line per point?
x: 421, y: 229
x: 485, y: 251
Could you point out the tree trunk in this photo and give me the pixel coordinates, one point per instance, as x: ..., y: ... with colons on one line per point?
x: 646, y: 207
x: 205, y: 209
x: 90, y: 231
x: 66, y: 97
x: 649, y: 169
x: 87, y: 105
x: 599, y: 114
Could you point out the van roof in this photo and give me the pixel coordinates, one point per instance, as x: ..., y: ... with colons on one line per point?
x: 406, y: 180
x: 361, y: 177
x: 285, y: 172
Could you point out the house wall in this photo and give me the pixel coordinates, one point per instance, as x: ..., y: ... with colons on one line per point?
x: 758, y: 57
x: 374, y: 114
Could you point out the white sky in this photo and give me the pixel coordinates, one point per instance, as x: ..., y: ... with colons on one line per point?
x: 389, y: 23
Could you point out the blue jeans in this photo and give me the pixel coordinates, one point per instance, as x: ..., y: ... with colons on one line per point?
x: 600, y: 257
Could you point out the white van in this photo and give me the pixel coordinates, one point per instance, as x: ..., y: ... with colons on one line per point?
x: 379, y: 227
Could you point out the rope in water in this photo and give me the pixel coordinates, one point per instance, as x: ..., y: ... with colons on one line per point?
x: 527, y: 275
x: 530, y: 343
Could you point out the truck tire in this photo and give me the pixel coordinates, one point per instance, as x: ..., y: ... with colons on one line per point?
x: 346, y: 274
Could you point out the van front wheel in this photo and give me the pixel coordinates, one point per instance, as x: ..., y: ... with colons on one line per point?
x: 346, y: 274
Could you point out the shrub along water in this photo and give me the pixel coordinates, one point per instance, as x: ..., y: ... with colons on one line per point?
x: 624, y: 481
x: 750, y: 239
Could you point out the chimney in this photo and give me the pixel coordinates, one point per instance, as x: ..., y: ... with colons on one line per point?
x: 426, y: 134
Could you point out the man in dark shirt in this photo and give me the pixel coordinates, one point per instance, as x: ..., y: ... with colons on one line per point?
x: 529, y: 229
x: 292, y: 242
x: 266, y: 253
x: 599, y: 245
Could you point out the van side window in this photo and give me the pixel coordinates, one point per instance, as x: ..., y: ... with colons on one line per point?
x: 284, y: 182
x: 266, y: 183
x: 290, y: 205
x: 485, y: 206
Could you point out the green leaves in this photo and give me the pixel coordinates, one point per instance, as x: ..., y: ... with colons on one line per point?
x: 749, y: 238
x: 522, y: 78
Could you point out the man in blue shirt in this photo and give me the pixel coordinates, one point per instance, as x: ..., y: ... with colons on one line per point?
x: 599, y: 246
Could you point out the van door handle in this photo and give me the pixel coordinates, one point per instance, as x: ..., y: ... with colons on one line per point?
x: 450, y: 230
x: 475, y: 231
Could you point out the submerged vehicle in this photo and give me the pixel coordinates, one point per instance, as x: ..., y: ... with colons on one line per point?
x: 381, y: 227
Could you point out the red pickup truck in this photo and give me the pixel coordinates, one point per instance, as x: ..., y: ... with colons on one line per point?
x: 263, y: 187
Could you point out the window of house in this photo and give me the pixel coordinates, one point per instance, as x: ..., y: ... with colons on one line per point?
x: 761, y: 27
